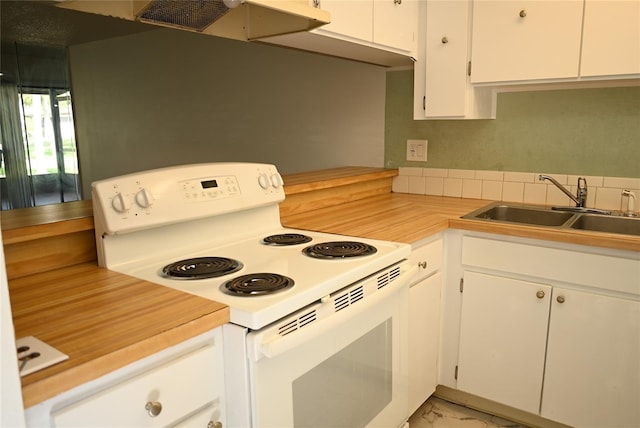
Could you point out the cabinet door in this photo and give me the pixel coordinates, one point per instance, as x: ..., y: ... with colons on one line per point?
x: 395, y: 23
x: 446, y: 58
x: 611, y: 38
x: 503, y: 337
x: 349, y: 18
x: 592, y: 377
x: 525, y: 40
x: 424, y: 339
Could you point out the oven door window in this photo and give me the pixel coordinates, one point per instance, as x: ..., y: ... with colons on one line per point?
x: 351, y: 387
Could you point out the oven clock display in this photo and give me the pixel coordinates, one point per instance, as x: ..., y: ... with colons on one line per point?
x: 209, y: 184
x: 209, y: 189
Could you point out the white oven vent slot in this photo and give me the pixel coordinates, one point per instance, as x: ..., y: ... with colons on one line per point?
x: 387, y: 277
x: 297, y: 323
x: 348, y: 298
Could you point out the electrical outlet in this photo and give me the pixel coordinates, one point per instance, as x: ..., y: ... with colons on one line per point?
x: 417, y: 150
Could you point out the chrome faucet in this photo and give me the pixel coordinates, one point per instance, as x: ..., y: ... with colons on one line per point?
x: 581, y: 195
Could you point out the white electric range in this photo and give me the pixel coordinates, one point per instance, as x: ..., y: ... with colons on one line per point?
x: 214, y: 230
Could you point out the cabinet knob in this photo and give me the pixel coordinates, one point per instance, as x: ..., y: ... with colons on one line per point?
x: 423, y: 265
x: 540, y: 294
x: 523, y: 13
x: 153, y: 408
x: 445, y: 40
x: 397, y: 1
x: 560, y: 299
x: 216, y: 424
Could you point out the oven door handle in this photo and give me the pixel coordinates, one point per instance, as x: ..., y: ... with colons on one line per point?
x: 281, y: 344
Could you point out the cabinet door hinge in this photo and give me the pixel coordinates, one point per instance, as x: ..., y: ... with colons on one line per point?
x: 455, y: 375
x: 469, y: 68
x: 461, y: 285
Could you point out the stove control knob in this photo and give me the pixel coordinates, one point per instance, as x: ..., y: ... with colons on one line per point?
x: 121, y: 203
x: 263, y: 180
x: 144, y: 198
x: 276, y: 180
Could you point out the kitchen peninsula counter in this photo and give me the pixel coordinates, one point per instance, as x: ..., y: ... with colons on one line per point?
x: 102, y: 320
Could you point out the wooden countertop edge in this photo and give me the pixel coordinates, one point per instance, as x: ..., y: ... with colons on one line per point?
x: 306, y: 182
x: 51, y: 386
x: 597, y: 239
x: 47, y: 230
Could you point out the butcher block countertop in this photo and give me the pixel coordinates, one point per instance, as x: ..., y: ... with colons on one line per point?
x: 104, y: 320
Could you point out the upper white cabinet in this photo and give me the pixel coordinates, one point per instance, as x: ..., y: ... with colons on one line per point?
x: 525, y: 40
x: 395, y: 24
x: 381, y: 32
x: 390, y: 23
x: 350, y: 18
x: 611, y: 38
x: 441, y: 80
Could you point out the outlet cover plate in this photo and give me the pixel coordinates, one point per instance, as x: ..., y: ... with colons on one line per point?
x: 417, y: 150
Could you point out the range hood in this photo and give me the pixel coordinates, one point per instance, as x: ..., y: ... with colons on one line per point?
x: 233, y: 19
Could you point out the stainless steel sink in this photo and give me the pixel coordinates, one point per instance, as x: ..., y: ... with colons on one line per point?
x: 610, y: 224
x: 539, y: 216
x: 521, y: 214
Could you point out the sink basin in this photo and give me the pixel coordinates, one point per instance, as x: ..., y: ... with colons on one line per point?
x: 598, y: 223
x: 521, y: 214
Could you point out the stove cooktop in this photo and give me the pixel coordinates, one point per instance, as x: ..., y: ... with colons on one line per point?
x: 313, y: 278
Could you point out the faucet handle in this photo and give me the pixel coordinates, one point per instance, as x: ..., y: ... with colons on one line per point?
x: 582, y: 183
x: 582, y: 191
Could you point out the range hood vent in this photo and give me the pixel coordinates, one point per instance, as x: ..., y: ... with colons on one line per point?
x: 234, y: 19
x: 192, y: 15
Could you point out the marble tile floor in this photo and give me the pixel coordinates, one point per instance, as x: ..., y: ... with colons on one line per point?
x: 438, y: 413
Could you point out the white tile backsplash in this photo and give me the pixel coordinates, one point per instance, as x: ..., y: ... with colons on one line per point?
x: 513, y: 192
x: 535, y: 193
x: 490, y: 175
x: 520, y: 177
x: 514, y: 186
x: 452, y: 187
x: 472, y: 189
x: 492, y: 190
x: 435, y: 186
x: 435, y: 172
x: 416, y: 185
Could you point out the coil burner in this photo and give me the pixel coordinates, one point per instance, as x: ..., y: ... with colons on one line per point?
x: 284, y: 239
x: 339, y: 250
x: 201, y: 268
x: 257, y: 284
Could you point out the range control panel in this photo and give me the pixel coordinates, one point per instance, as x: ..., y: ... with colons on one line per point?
x: 176, y: 194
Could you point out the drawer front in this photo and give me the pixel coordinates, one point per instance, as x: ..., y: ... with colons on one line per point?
x: 428, y: 258
x: 180, y: 386
x: 596, y: 270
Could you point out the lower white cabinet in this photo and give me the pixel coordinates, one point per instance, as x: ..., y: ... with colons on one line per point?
x: 592, y: 376
x: 502, y: 339
x: 181, y: 386
x: 551, y: 329
x: 424, y: 323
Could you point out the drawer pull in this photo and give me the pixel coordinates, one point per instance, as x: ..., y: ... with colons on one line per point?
x: 423, y: 265
x: 216, y: 424
x: 540, y: 294
x: 560, y: 299
x: 153, y: 408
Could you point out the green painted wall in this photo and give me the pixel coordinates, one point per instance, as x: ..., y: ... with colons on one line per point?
x: 577, y: 131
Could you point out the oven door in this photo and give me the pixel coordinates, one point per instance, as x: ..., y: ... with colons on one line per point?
x: 348, y: 369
